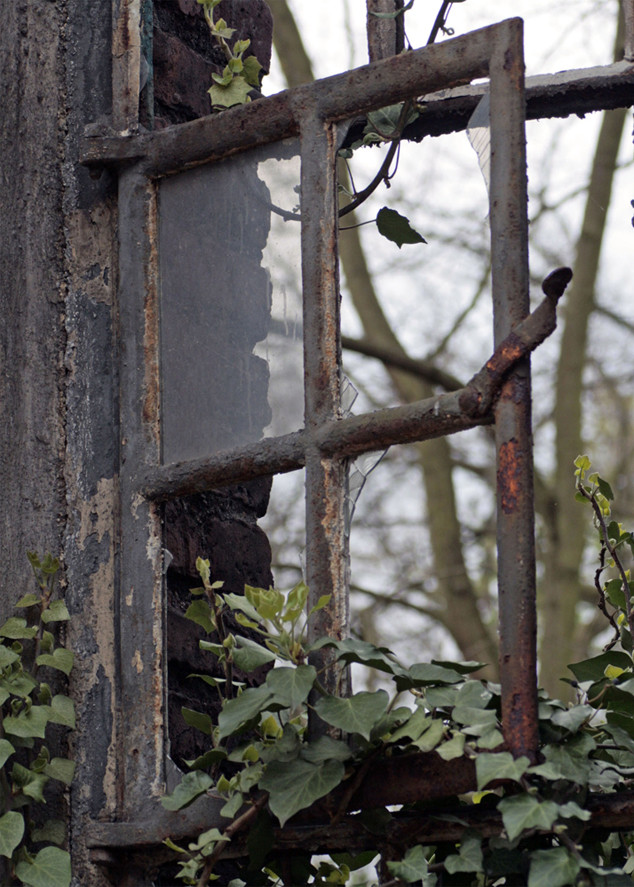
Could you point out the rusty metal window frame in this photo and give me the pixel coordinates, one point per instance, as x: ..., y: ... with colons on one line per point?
x: 328, y: 439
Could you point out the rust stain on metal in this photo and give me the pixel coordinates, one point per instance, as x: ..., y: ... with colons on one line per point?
x: 151, y: 402
x: 509, y: 476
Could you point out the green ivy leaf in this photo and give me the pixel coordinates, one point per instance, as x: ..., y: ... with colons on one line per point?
x: 452, y: 748
x: 325, y: 748
x: 60, y: 659
x: 295, y: 785
x: 237, y: 714
x: 363, y: 652
x: 61, y: 769
x: 491, y: 767
x: 397, y: 228
x: 414, y: 727
x: 431, y: 737
x: 413, y: 868
x: 291, y: 686
x: 7, y: 657
x: 11, y: 832
x: 6, y: 750
x: 251, y: 72
x: 16, y: 628
x: 28, y: 724
x: 56, y: 611
x: 50, y: 868
x: 236, y: 92
x: 552, y: 868
x: 197, y: 719
x: 192, y: 786
x: 468, y: 858
x: 207, y: 760
x: 526, y: 812
x: 423, y: 674
x: 594, y: 669
x: 62, y: 711
x: 199, y: 612
x: 249, y: 655
x: 29, y: 600
x: 355, y: 714
x: 268, y: 602
x: 466, y: 667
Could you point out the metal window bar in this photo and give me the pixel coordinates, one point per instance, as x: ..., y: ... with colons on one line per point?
x: 328, y: 439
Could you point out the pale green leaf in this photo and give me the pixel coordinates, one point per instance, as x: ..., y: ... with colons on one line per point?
x: 526, y: 812
x: 7, y: 657
x: 552, y: 868
x: 249, y: 655
x: 16, y: 628
x: 192, y: 786
x: 291, y: 686
x: 56, y: 611
x: 295, y: 785
x: 62, y: 711
x: 413, y: 868
x: 237, y: 714
x: 61, y: 769
x: 431, y: 737
x: 60, y: 659
x: 468, y: 858
x: 355, y: 714
x: 452, y: 748
x: 50, y: 868
x: 491, y: 767
x: 28, y: 724
x: 11, y: 832
x: 325, y: 748
x: 6, y: 750
x: 200, y: 613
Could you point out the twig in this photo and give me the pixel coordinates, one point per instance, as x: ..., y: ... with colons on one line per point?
x: 232, y: 829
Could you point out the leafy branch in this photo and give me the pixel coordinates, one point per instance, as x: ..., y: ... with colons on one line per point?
x: 28, y: 649
x: 240, y: 75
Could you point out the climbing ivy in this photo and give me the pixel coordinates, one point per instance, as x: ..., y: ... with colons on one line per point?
x: 277, y: 769
x: 31, y: 659
x: 240, y: 75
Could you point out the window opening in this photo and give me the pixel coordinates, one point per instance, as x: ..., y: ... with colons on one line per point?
x: 156, y: 471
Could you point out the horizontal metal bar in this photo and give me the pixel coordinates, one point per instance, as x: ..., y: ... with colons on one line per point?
x: 334, y: 98
x: 579, y: 91
x: 432, y: 417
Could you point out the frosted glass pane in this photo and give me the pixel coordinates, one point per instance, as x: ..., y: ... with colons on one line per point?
x: 230, y: 303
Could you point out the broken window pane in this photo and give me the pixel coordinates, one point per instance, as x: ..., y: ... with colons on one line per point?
x: 230, y: 297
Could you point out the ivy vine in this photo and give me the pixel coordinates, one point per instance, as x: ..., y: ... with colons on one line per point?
x: 31, y: 657
x: 541, y: 810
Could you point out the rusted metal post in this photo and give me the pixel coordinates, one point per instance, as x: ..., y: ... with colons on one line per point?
x: 140, y: 603
x: 515, y: 515
x: 385, y: 35
x: 326, y: 545
x: 126, y: 64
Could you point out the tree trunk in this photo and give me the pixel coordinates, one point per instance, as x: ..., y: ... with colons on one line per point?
x: 562, y: 587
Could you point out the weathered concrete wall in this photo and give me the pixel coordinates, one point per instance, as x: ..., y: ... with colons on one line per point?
x: 59, y: 445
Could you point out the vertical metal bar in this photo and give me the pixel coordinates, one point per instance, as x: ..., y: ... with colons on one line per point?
x: 326, y: 545
x: 515, y: 506
x: 126, y: 64
x: 628, y: 14
x: 385, y: 35
x: 140, y: 599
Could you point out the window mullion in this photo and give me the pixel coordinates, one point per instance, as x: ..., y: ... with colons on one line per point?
x: 326, y: 541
